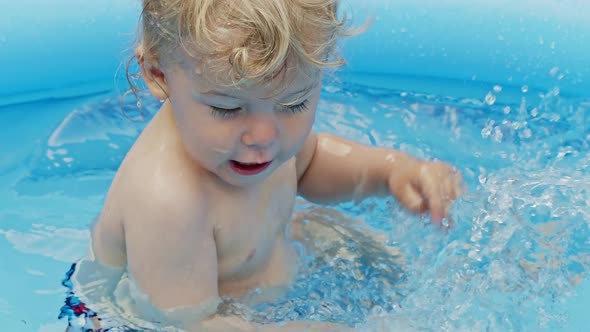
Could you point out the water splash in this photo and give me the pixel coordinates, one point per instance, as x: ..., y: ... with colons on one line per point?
x: 520, y: 242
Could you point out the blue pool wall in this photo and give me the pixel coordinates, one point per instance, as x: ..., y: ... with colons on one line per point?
x: 52, y: 48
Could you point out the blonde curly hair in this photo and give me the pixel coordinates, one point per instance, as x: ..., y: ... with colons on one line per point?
x: 243, y: 40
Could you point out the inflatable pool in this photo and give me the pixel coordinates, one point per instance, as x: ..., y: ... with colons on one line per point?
x: 54, y: 47
x: 499, y: 88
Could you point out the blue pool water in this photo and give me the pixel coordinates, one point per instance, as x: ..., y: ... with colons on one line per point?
x: 517, y: 259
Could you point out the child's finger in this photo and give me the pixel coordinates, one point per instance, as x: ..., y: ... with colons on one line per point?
x: 412, y: 200
x: 435, y: 200
x: 408, y: 197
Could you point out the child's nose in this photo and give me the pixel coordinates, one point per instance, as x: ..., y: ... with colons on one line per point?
x: 262, y: 132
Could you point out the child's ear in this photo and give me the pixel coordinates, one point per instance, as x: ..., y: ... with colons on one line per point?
x: 152, y: 75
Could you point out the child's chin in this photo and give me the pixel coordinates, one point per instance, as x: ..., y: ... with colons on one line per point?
x: 234, y: 179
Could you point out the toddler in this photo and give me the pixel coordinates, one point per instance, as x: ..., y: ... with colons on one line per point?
x: 199, y: 207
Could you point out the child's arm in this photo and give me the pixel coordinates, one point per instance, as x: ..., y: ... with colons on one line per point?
x: 167, y: 246
x: 172, y: 255
x: 331, y: 169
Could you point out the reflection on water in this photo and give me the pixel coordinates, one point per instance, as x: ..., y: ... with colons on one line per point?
x: 521, y: 240
x: 349, y: 273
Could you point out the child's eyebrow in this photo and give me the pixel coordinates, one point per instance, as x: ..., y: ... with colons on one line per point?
x: 217, y: 94
x: 303, y: 91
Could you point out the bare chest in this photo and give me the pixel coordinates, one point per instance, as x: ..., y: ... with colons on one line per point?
x: 248, y: 228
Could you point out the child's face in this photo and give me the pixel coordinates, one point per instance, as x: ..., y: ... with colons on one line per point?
x: 226, y: 129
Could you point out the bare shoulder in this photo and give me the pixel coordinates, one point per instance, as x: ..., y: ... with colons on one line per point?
x: 167, y: 187
x: 168, y: 237
x: 156, y: 189
x: 142, y: 201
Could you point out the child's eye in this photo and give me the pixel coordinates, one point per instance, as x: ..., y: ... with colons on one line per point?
x: 225, y: 113
x: 297, y: 108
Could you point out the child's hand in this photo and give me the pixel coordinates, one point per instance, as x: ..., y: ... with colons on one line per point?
x: 423, y: 186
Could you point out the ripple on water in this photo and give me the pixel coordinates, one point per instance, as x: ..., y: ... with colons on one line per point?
x: 520, y: 244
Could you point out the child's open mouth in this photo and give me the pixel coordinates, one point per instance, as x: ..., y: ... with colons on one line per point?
x: 248, y: 168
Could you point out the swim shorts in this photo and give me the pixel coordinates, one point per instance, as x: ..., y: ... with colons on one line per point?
x: 78, y: 314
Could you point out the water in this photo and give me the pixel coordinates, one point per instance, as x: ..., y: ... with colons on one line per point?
x: 516, y: 259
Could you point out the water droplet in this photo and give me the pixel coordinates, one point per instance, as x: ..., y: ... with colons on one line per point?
x: 377, y: 311
x: 524, y: 89
x: 525, y: 133
x: 534, y: 112
x: 498, y: 135
x: 507, y: 110
x: 482, y: 179
x: 490, y: 99
x: 487, y: 130
x: 497, y: 88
